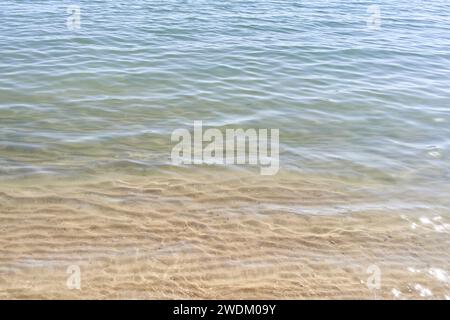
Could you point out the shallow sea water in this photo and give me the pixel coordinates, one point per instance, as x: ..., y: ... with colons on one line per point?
x: 85, y: 173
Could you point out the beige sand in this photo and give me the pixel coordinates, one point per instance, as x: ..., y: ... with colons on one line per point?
x: 217, y: 235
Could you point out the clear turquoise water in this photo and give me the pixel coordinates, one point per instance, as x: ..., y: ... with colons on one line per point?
x: 350, y: 102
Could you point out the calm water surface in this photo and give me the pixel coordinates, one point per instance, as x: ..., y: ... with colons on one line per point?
x: 351, y: 102
x: 86, y: 179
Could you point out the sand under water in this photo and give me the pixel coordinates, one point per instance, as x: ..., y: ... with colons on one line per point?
x: 212, y: 234
x: 86, y: 117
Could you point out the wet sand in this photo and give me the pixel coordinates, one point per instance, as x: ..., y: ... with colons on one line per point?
x: 216, y: 235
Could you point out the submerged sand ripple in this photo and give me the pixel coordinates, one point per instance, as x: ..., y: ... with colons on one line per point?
x: 236, y: 236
